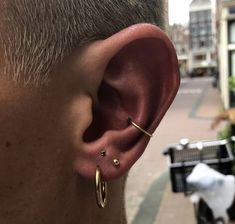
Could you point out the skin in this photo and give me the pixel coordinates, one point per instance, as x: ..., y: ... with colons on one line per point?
x: 228, y: 115
x: 37, y: 157
x: 50, y: 146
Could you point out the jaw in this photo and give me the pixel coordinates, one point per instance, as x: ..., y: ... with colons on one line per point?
x: 36, y: 162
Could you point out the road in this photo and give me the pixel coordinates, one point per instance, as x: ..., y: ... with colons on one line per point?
x: 185, y: 118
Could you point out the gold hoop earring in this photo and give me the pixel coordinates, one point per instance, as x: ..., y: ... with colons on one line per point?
x: 101, y: 189
x: 139, y: 128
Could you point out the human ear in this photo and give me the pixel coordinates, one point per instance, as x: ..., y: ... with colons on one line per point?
x: 136, y: 76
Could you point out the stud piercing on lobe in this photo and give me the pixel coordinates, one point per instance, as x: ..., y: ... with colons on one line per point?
x: 116, y: 162
x: 103, y: 153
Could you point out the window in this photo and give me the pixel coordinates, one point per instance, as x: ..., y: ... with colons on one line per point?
x: 231, y: 26
x: 194, y: 29
x: 208, y: 15
x: 201, y: 16
x: 202, y: 43
x: 203, y: 31
x: 232, y: 10
x: 194, y: 43
x: 201, y: 57
x: 209, y: 28
x: 193, y: 17
x: 232, y: 61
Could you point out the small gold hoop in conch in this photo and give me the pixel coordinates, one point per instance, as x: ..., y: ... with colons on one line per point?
x: 139, y: 128
x: 101, y: 189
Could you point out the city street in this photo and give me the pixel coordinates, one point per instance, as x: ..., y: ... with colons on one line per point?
x: 190, y: 116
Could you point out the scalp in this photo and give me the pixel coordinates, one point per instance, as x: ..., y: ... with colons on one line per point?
x: 33, y: 49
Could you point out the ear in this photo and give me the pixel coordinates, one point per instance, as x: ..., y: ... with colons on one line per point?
x: 136, y: 75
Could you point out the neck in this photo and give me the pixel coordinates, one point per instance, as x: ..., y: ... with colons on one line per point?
x: 65, y: 199
x: 76, y: 203
x: 113, y: 213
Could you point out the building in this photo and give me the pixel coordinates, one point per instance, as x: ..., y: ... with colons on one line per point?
x: 179, y: 35
x: 226, y: 37
x: 202, y: 26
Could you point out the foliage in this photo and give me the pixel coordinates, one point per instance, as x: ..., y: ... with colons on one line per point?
x: 231, y: 83
x: 225, y: 133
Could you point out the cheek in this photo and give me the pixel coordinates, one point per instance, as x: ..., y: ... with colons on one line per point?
x: 76, y: 119
x: 16, y: 166
x: 33, y: 147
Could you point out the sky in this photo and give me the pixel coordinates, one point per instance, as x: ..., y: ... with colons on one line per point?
x: 179, y: 11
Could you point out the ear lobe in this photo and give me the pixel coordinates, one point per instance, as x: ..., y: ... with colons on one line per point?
x: 140, y: 81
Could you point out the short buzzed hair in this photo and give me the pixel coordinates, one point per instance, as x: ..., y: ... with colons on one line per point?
x: 38, y: 34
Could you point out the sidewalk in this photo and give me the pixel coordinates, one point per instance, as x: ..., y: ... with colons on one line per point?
x: 176, y: 208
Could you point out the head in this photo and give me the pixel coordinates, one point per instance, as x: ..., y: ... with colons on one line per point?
x: 71, y: 73
x: 39, y: 34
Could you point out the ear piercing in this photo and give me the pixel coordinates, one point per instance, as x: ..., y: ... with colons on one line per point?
x: 101, y: 189
x: 139, y: 128
x: 103, y: 153
x: 100, y: 184
x: 116, y: 162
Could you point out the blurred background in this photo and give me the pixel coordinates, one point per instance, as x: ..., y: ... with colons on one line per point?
x: 203, y: 33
